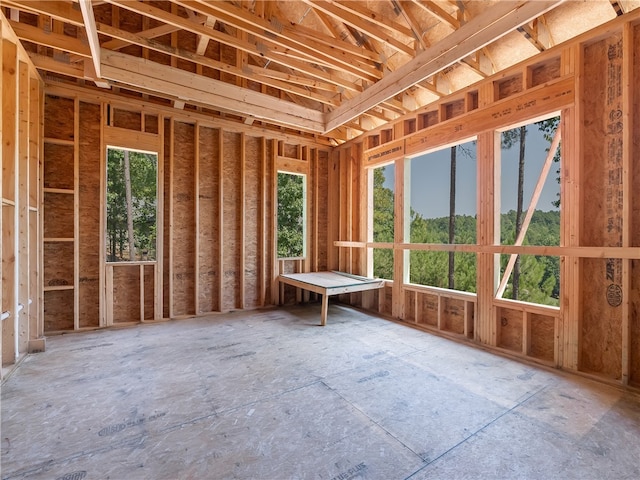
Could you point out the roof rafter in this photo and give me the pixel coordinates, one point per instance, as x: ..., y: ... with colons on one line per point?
x: 261, y: 50
x: 490, y: 25
x: 283, y: 37
x: 347, y: 16
x: 438, y: 12
x: 413, y: 23
x: 247, y: 72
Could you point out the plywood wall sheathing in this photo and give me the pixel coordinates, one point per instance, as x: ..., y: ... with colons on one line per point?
x: 602, y: 222
x: 253, y: 159
x: 231, y: 210
x: 323, y: 202
x: 90, y: 206
x: 634, y: 227
x: 510, y: 324
x: 148, y: 295
x: 183, y: 225
x: 541, y: 335
x: 209, y: 210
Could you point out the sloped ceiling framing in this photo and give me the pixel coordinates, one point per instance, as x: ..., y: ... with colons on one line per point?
x: 331, y: 68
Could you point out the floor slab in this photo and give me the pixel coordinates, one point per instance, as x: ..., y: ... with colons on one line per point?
x: 270, y: 394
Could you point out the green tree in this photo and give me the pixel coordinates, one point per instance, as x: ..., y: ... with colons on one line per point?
x: 133, y: 211
x: 290, y: 215
x: 452, y: 214
x: 383, y: 225
x: 509, y: 139
x: 548, y: 128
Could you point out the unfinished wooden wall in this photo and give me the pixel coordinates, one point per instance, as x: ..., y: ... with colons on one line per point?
x: 216, y: 219
x: 21, y: 134
x: 593, y: 82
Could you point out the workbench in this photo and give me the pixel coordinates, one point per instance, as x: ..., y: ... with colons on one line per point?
x: 330, y: 283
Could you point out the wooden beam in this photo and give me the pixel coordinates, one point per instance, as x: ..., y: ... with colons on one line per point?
x: 60, y: 10
x: 92, y: 33
x: 189, y: 87
x: 271, y: 131
x: 487, y: 27
x: 53, y: 40
x: 290, y: 83
x: 49, y: 64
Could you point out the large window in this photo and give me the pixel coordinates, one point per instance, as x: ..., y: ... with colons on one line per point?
x: 441, y: 189
x: 530, y: 211
x: 291, y: 215
x: 383, y: 215
x: 132, y: 203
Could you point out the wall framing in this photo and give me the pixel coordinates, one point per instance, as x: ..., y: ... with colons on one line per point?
x: 21, y: 104
x: 216, y: 212
x: 592, y: 82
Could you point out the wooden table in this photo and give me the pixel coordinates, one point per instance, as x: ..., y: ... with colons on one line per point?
x: 330, y: 283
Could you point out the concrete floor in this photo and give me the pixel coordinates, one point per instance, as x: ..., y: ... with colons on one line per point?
x: 271, y: 395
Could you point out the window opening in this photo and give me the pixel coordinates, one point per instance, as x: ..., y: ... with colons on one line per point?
x: 529, y: 154
x: 132, y: 202
x: 442, y: 195
x: 383, y: 219
x: 292, y: 207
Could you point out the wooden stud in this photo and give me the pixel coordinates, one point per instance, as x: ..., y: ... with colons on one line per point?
x: 315, y: 245
x: 109, y: 294
x: 171, y: 220
x: 76, y: 214
x: 627, y: 209
x: 10, y: 244
x: 398, y: 254
x: 242, y: 219
x: 104, y: 117
x: 262, y: 221
x: 526, y: 333
x: 22, y: 211
x: 35, y: 148
x: 196, y: 195
x: 141, y: 280
x: 221, y: 219
x: 160, y: 266
x: 277, y: 294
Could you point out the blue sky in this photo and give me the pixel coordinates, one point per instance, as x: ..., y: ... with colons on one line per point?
x: 430, y: 179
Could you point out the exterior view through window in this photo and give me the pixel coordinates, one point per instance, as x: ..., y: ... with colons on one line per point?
x: 442, y: 195
x: 132, y: 203
x: 530, y: 211
x: 291, y: 215
x: 383, y: 214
